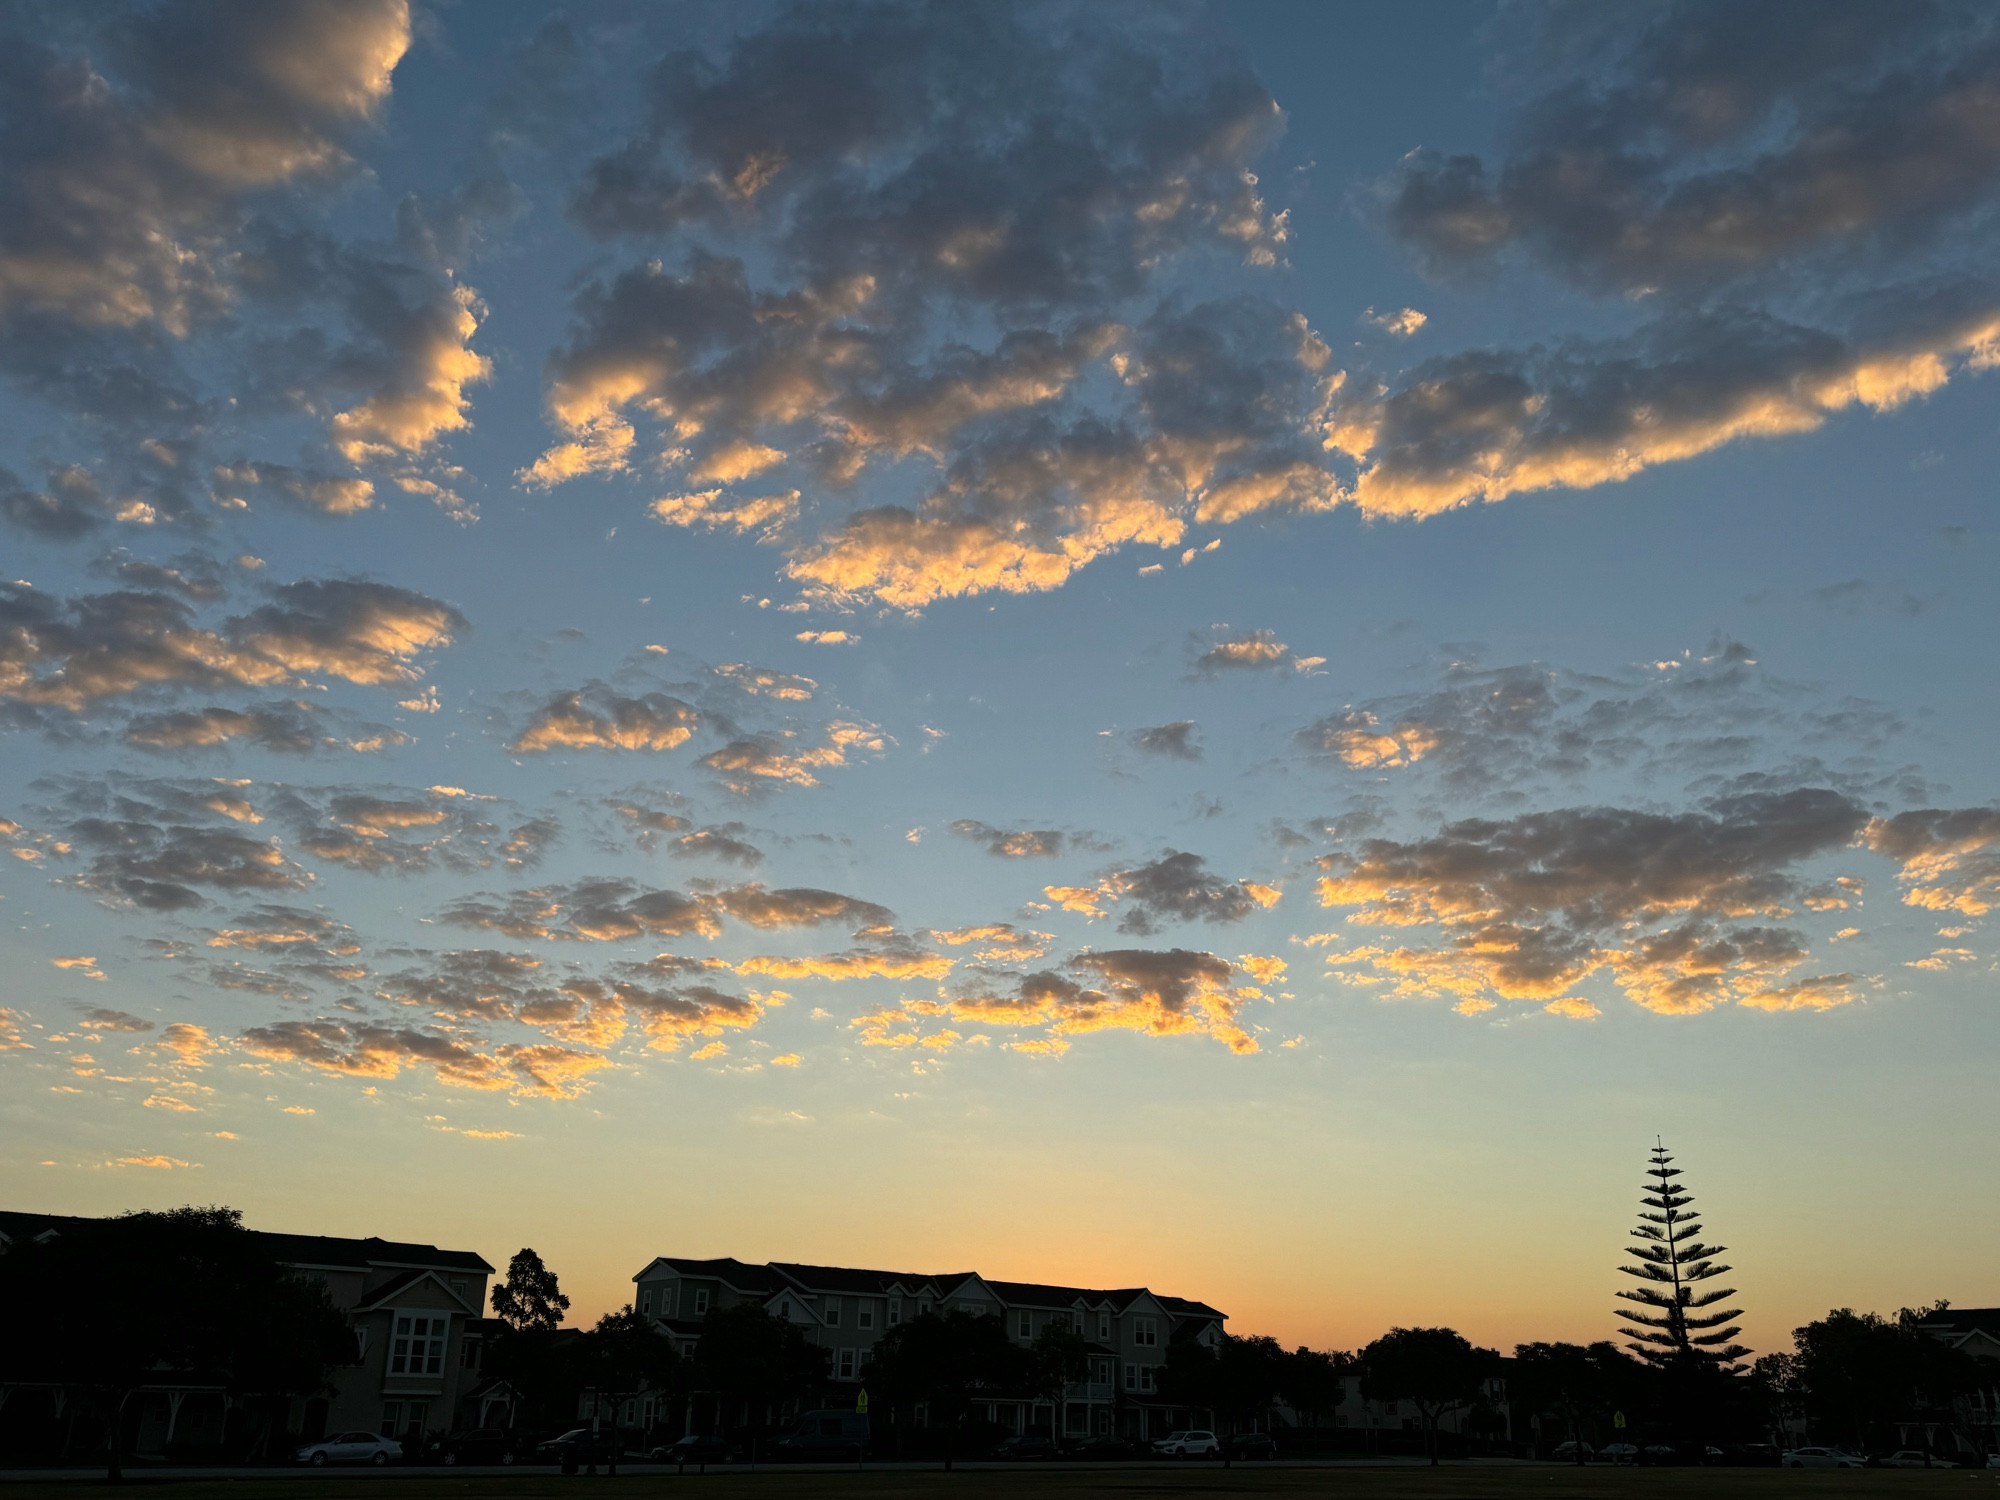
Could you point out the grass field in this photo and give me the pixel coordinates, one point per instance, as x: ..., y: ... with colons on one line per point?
x: 1451, y: 1482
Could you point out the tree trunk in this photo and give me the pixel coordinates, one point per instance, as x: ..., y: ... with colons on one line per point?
x: 114, y: 1467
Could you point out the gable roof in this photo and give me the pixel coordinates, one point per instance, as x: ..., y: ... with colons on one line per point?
x: 727, y: 1269
x: 319, y: 1251
x: 402, y: 1282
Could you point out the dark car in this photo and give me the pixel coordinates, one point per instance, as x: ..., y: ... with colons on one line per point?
x: 823, y: 1436
x: 1107, y: 1449
x: 696, y: 1448
x: 481, y: 1445
x: 578, y: 1446
x: 1251, y: 1445
x: 1027, y: 1445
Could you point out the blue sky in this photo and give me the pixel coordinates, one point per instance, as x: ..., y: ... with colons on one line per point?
x: 1231, y: 648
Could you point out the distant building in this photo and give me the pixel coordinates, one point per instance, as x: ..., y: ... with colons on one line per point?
x: 1976, y: 1330
x: 415, y: 1311
x: 846, y: 1312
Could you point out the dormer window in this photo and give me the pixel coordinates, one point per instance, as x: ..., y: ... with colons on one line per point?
x: 1104, y: 1328
x: 1145, y: 1332
x: 701, y: 1301
x: 895, y: 1311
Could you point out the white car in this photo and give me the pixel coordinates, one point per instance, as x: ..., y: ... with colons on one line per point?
x: 1194, y: 1443
x: 1821, y: 1458
x: 351, y: 1448
x: 1915, y: 1458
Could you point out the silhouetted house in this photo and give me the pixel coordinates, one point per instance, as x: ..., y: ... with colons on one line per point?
x: 1976, y: 1331
x: 419, y: 1336
x: 846, y: 1311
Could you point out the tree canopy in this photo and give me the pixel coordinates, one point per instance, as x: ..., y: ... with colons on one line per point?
x: 1436, y: 1370
x: 530, y: 1297
x: 217, y: 1307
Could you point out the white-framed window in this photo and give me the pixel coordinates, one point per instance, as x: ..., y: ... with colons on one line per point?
x: 895, y: 1311
x: 1100, y: 1372
x: 785, y: 1308
x: 458, y: 1287
x: 1027, y: 1325
x: 923, y: 1306
x: 1076, y: 1319
x: 1104, y: 1328
x: 418, y: 1345
x: 646, y: 1300
x: 847, y: 1364
x: 1146, y: 1374
x: 833, y: 1312
x: 1131, y: 1377
x: 864, y: 1315
x: 700, y: 1301
x: 1146, y: 1332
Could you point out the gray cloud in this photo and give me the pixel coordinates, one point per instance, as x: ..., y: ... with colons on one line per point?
x: 1178, y: 740
x: 909, y: 172
x: 613, y: 909
x: 1712, y: 140
x: 1531, y: 906
x: 596, y: 718
x: 1018, y: 843
x: 723, y: 842
x: 70, y: 654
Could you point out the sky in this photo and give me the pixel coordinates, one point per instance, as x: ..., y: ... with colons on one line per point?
x: 1236, y: 649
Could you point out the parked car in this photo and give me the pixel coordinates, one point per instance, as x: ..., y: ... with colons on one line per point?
x: 579, y: 1445
x: 351, y: 1448
x: 1027, y: 1445
x: 695, y: 1448
x: 1619, y: 1453
x: 1565, y: 1452
x: 1196, y: 1442
x: 1821, y: 1458
x: 1253, y: 1445
x: 1108, y: 1449
x: 1993, y: 1460
x: 480, y: 1445
x: 824, y: 1435
x: 1914, y: 1458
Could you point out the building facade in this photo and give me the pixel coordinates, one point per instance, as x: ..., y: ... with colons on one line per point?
x: 846, y: 1311
x: 415, y: 1311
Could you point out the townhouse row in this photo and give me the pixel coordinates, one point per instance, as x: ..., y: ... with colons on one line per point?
x: 847, y: 1311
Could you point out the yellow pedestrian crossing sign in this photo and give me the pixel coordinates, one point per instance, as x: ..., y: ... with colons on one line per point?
x: 861, y: 1404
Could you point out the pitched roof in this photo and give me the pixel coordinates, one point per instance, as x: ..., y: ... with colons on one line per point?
x: 317, y: 1250
x: 727, y: 1269
x: 401, y: 1282
x: 845, y: 1278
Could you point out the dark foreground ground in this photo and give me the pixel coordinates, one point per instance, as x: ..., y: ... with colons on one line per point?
x: 1336, y: 1482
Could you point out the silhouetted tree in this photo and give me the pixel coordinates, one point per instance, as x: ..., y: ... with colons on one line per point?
x: 1679, y: 1322
x: 530, y: 1304
x: 1059, y: 1356
x: 530, y: 1297
x: 944, y: 1360
x: 1856, y: 1374
x: 1570, y: 1381
x: 749, y: 1358
x: 1436, y: 1370
x: 1312, y: 1381
x: 624, y: 1354
x: 219, y: 1309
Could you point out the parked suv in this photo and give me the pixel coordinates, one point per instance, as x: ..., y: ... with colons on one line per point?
x: 824, y: 1435
x: 1253, y: 1445
x: 1194, y: 1443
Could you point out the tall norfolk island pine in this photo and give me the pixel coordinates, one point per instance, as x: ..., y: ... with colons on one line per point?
x: 1679, y: 1322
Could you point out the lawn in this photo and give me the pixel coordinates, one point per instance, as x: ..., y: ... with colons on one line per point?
x: 1451, y: 1482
